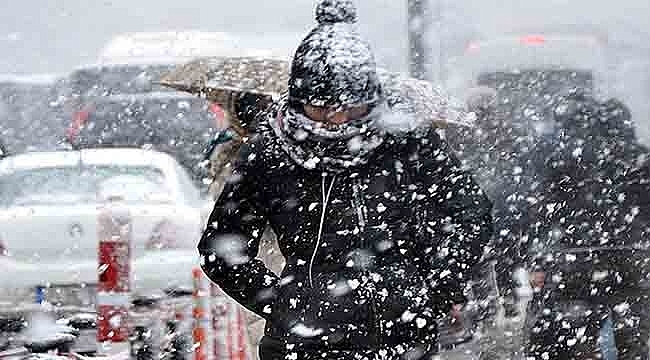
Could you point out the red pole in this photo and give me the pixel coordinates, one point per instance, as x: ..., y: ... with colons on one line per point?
x: 114, y: 286
x: 237, y: 343
x: 230, y: 336
x: 217, y: 323
x: 242, y: 349
x: 201, y: 314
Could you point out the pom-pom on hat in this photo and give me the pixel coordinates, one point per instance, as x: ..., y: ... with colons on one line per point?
x: 334, y: 65
x: 336, y: 11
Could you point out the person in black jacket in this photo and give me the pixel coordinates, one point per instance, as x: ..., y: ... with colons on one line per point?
x: 588, y: 226
x: 379, y: 231
x: 591, y: 179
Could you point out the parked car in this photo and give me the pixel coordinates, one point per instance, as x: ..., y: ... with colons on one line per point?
x: 175, y: 47
x: 131, y: 63
x: 121, y: 105
x: 176, y: 123
x: 49, y: 206
x: 30, y: 115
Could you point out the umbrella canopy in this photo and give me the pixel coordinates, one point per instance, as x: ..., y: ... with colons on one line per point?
x: 215, y: 77
x: 224, y: 80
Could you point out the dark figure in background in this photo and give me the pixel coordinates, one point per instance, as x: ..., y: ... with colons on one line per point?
x: 380, y: 231
x: 3, y: 151
x: 496, y: 151
x: 588, y: 232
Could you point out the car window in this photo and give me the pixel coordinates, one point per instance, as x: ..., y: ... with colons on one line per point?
x: 538, y: 82
x: 29, y: 117
x: 79, y: 185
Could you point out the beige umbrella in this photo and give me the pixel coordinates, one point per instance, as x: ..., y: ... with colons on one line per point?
x: 215, y: 77
x: 223, y: 80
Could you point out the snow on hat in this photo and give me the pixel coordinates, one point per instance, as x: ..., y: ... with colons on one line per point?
x: 334, y: 65
x: 336, y: 11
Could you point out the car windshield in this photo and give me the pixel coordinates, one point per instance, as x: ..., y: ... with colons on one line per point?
x: 129, y: 121
x: 82, y: 185
x: 538, y: 82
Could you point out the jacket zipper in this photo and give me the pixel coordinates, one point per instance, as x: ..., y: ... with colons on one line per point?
x: 326, y: 199
x: 362, y: 213
x: 360, y: 206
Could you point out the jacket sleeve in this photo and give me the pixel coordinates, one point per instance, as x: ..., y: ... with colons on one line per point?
x: 453, y: 220
x: 230, y: 243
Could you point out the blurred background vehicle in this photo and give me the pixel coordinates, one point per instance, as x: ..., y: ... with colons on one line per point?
x: 30, y: 113
x: 175, y: 123
x: 50, y: 204
x: 544, y: 49
x: 548, y: 38
x: 529, y: 72
x: 512, y: 82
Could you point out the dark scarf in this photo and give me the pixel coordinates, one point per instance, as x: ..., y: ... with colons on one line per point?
x: 335, y: 148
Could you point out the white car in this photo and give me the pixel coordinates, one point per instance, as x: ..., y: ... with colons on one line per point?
x: 49, y: 206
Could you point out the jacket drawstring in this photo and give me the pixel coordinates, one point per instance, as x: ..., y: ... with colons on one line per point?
x: 326, y: 199
x: 359, y: 204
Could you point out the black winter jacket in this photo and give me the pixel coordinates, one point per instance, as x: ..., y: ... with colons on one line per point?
x: 373, y: 254
x: 593, y: 183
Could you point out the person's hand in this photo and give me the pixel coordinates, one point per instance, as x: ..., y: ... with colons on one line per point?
x: 537, y: 279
